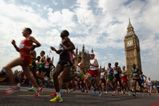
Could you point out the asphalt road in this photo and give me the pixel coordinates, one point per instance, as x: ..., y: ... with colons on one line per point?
x: 25, y: 98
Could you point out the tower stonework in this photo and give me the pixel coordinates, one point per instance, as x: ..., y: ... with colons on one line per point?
x: 85, y: 56
x: 132, y: 49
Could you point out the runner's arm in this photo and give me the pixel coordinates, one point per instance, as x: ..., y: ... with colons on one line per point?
x: 36, y: 43
x: 70, y: 47
x: 54, y: 49
x: 15, y: 46
x: 120, y: 71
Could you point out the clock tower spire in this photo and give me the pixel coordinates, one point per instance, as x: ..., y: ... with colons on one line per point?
x: 130, y: 29
x: 130, y: 25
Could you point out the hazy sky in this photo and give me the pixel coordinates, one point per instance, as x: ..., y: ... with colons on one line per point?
x: 98, y: 24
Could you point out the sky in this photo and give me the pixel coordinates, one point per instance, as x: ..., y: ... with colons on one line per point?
x: 98, y: 24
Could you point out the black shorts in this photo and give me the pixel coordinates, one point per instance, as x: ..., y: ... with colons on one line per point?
x: 117, y: 76
x: 65, y: 63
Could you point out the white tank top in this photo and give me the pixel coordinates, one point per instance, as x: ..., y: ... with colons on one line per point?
x: 149, y: 82
x: 78, y: 69
x: 102, y: 75
x: 91, y: 66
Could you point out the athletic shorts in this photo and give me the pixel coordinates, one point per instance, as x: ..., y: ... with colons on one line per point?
x: 110, y: 77
x: 27, y: 60
x: 65, y: 63
x: 117, y: 76
x: 124, y: 78
x: 93, y: 73
x: 81, y: 76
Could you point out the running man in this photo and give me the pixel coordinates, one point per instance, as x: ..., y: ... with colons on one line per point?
x: 92, y: 75
x: 136, y: 78
x: 102, y: 82
x: 110, y: 77
x: 64, y: 65
x: 124, y: 80
x: 80, y: 73
x: 117, y: 76
x: 26, y: 47
x: 41, y: 64
x: 149, y: 85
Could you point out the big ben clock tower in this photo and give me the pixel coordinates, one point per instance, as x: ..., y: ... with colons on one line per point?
x: 132, y: 49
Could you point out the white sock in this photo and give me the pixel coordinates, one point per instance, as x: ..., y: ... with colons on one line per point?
x: 18, y: 85
x: 58, y: 93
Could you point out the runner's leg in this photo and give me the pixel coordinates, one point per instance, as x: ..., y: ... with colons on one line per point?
x: 8, y: 67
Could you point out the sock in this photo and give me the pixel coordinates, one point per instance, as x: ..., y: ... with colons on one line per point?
x: 58, y: 93
x: 18, y: 85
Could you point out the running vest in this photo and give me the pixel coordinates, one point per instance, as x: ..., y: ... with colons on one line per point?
x: 64, y: 55
x: 78, y: 69
x: 110, y: 71
x: 135, y: 72
x: 24, y: 47
x: 123, y: 73
x: 149, y: 83
x: 117, y: 70
x: 92, y: 62
x: 102, y: 75
x: 47, y: 65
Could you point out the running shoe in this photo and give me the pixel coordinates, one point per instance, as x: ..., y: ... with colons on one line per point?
x: 38, y: 92
x: 56, y: 99
x: 100, y: 94
x: 106, y: 92
x: 133, y: 94
x: 32, y: 89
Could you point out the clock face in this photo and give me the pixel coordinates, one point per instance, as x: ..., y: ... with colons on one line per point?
x: 129, y: 43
